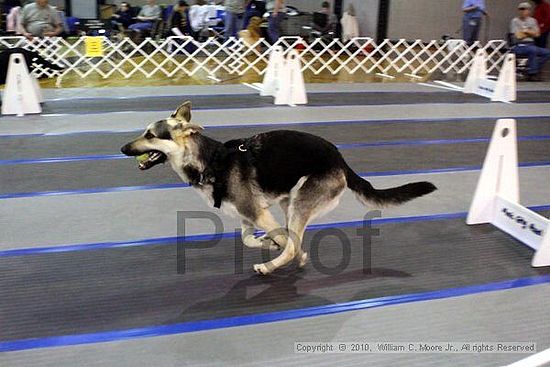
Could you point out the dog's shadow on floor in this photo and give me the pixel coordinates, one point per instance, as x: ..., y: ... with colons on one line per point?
x: 288, y: 288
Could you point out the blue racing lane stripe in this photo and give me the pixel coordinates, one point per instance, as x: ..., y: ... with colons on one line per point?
x: 433, y: 142
x: 255, y: 319
x: 210, y: 236
x: 18, y: 195
x: 92, y: 191
x: 9, y: 162
x: 289, y: 124
x: 81, y: 158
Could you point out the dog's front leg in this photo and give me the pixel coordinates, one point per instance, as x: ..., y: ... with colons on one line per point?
x: 273, y: 230
x: 250, y: 240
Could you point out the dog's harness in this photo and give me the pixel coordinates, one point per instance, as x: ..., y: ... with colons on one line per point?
x: 197, y: 178
x: 218, y: 178
x: 245, y: 151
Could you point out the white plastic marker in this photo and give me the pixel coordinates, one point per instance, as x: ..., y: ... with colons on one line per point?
x: 496, y: 199
x: 501, y: 90
x: 292, y: 89
x: 272, y: 76
x: 22, y: 93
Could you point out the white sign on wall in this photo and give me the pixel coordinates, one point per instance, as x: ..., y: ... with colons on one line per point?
x: 84, y: 9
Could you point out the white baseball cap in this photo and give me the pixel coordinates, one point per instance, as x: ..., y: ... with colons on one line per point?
x: 524, y: 5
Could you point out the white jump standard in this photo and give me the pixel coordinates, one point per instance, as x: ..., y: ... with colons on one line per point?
x: 501, y: 90
x: 22, y: 93
x: 496, y: 198
x: 283, y: 79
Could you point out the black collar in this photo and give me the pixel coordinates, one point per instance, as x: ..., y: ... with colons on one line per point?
x: 217, y: 167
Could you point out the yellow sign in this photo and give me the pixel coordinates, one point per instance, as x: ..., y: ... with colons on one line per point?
x: 94, y: 46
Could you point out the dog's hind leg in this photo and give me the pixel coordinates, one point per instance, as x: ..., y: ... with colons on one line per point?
x: 284, y: 204
x: 311, y: 197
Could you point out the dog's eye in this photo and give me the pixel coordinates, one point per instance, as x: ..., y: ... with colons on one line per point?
x: 148, y: 135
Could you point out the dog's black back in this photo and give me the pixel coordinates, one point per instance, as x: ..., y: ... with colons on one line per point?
x: 282, y: 157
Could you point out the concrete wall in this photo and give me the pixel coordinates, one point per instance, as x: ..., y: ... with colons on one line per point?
x: 84, y: 9
x: 306, y: 5
x: 429, y: 19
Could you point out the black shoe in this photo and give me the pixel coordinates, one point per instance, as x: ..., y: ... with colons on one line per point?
x: 533, y: 78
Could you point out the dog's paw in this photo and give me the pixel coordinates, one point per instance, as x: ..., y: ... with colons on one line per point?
x: 251, y: 241
x: 261, y: 269
x: 302, y: 259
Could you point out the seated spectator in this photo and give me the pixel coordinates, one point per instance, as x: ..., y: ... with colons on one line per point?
x: 147, y: 15
x: 199, y: 15
x: 525, y: 29
x: 542, y: 15
x: 180, y: 18
x: 123, y: 17
x: 39, y: 19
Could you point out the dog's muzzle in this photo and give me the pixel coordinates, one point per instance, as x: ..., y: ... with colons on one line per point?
x: 146, y: 159
x: 128, y: 150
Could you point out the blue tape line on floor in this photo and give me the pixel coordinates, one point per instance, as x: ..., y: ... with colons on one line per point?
x: 289, y: 124
x: 180, y: 328
x: 211, y: 236
x: 18, y: 195
x: 340, y: 146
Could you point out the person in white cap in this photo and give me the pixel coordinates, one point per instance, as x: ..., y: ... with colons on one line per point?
x: 525, y: 29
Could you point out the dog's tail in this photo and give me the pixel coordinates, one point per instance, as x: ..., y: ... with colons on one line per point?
x: 395, y: 195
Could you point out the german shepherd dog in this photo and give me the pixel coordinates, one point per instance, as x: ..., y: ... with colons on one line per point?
x: 305, y: 174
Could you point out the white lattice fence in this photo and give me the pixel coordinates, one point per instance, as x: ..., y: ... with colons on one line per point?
x: 175, y: 55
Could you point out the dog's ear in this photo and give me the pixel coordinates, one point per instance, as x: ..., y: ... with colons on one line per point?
x: 182, y: 130
x: 183, y: 112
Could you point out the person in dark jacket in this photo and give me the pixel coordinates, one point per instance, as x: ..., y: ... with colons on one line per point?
x: 180, y: 18
x: 123, y: 17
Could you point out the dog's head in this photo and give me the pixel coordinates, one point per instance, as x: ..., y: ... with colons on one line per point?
x: 163, y: 139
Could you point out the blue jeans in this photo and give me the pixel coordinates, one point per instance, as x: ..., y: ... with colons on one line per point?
x: 141, y: 26
x: 273, y: 28
x: 537, y: 56
x: 470, y: 29
x: 233, y: 24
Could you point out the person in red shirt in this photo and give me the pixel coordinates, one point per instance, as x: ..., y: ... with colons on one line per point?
x: 542, y: 15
